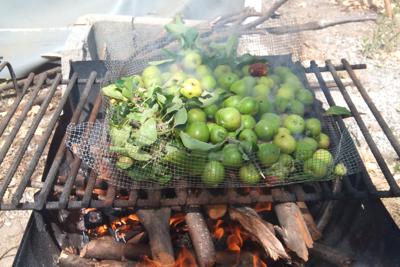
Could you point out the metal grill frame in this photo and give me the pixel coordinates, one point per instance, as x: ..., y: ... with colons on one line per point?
x: 357, y: 186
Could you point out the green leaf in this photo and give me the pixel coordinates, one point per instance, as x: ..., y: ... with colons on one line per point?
x: 135, y: 116
x: 247, y: 147
x: 231, y: 46
x: 161, y: 62
x: 161, y: 98
x: 113, y: 92
x: 120, y: 136
x: 127, y: 92
x: 215, y: 155
x: 119, y: 83
x: 186, y: 35
x: 194, y: 144
x: 170, y: 53
x: 147, y: 133
x: 180, y: 117
x: 215, y: 96
x: 136, y: 153
x: 338, y: 110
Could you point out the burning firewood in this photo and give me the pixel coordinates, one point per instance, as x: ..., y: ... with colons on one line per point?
x: 258, y: 228
x: 71, y: 260
x: 294, y: 232
x: 201, y: 239
x: 156, y: 223
x: 106, y: 248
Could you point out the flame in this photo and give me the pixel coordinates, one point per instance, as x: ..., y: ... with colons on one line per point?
x: 101, y: 230
x: 235, y: 240
x: 185, y: 259
x: 133, y: 217
x: 218, y: 230
x: 176, y: 219
x: 257, y: 262
x: 125, y: 223
x: 150, y: 263
x: 263, y: 206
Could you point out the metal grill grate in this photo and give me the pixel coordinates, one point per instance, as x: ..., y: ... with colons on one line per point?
x: 66, y: 184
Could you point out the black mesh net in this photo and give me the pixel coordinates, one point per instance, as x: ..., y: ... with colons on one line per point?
x: 166, y: 163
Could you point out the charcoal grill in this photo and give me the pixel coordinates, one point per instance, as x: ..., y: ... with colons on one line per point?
x: 64, y: 186
x: 81, y: 102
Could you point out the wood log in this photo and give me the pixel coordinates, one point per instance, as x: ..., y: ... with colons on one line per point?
x: 294, y: 230
x: 257, y: 227
x: 71, y: 260
x: 309, y: 220
x: 216, y: 211
x: 106, y: 248
x: 156, y: 223
x: 201, y: 239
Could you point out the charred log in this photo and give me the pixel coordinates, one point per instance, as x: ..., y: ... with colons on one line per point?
x: 258, y: 228
x: 71, y: 260
x: 156, y: 223
x: 106, y: 248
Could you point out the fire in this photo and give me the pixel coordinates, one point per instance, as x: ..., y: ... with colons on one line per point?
x: 218, y: 230
x: 185, y: 259
x: 150, y: 263
x: 235, y: 240
x: 257, y: 262
x: 176, y: 219
x: 263, y: 206
x: 125, y: 223
x: 102, y: 230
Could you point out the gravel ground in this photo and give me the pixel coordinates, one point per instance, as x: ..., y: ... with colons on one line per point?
x: 381, y: 79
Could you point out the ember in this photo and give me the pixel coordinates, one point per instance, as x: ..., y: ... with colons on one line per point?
x: 263, y: 206
x: 185, y: 259
x: 257, y: 262
x: 218, y: 230
x: 235, y: 240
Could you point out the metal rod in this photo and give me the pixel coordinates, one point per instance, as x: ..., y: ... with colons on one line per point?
x: 337, y: 68
x: 25, y: 143
x: 23, y: 81
x: 389, y: 134
x: 364, y: 130
x: 87, y: 197
x: 331, y: 102
x: 52, y: 174
x: 12, y: 74
x: 77, y: 161
x: 20, y: 120
x: 314, y: 67
x: 50, y: 128
x: 14, y: 106
x: 110, y: 197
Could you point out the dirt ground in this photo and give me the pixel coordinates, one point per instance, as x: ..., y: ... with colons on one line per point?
x: 381, y: 79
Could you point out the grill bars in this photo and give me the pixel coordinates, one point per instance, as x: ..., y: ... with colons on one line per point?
x: 71, y: 196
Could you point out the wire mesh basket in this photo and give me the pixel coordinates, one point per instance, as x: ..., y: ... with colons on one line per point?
x: 166, y: 163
